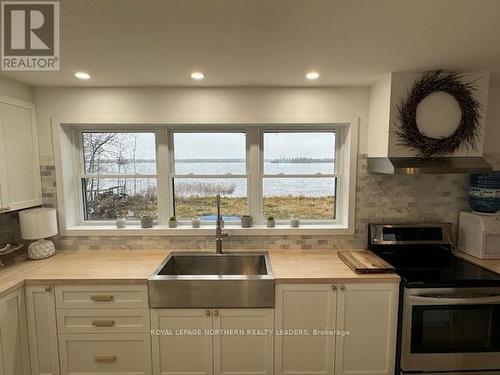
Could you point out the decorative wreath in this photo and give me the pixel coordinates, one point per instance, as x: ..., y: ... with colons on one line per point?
x: 467, y: 132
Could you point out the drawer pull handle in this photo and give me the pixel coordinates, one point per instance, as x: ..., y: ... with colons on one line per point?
x: 103, y: 323
x: 101, y: 298
x: 105, y: 358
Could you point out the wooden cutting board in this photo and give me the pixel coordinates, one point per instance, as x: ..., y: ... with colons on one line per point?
x: 364, y: 261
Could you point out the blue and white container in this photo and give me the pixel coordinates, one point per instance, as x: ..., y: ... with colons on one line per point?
x: 484, y: 192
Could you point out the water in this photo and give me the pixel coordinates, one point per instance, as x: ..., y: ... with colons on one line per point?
x: 237, y: 187
x: 313, y: 187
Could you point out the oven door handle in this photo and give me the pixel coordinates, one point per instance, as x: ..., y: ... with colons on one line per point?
x: 487, y: 298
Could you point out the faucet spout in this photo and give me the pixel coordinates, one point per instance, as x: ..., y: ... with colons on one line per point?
x: 219, y: 234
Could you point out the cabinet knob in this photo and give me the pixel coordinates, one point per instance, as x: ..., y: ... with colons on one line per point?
x: 216, y: 312
x: 334, y: 287
x: 342, y: 287
x: 208, y: 313
x: 48, y: 289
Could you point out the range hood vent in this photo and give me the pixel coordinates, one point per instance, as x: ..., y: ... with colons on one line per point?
x: 443, y: 165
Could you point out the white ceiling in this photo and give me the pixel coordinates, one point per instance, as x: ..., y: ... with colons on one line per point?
x: 269, y: 42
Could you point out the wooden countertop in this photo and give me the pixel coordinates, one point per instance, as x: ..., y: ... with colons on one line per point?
x: 490, y: 264
x: 135, y: 266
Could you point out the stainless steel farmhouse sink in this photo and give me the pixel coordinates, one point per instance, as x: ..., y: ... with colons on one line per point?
x: 194, y: 279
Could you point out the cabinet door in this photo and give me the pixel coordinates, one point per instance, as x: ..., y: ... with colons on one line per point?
x: 244, y: 344
x: 180, y: 342
x: 19, y: 161
x: 301, y: 309
x: 42, y: 333
x: 368, y: 312
x: 13, y: 335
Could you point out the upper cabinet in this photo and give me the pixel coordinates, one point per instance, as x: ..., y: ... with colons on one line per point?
x: 438, y: 114
x: 19, y: 164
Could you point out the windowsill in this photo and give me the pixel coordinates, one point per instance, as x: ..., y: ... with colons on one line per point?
x: 208, y: 230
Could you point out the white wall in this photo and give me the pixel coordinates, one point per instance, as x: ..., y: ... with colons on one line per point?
x: 492, y: 141
x: 199, y: 105
x: 15, y: 89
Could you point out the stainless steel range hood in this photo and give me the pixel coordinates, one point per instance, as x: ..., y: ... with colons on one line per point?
x: 412, y: 165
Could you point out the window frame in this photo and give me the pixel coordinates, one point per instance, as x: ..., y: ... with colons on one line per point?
x: 66, y: 158
x: 80, y: 167
x: 171, y: 173
x: 337, y: 175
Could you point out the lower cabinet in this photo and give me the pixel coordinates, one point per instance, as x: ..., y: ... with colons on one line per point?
x: 336, y: 329
x: 105, y: 354
x: 14, y: 354
x: 212, y: 341
x: 42, y: 329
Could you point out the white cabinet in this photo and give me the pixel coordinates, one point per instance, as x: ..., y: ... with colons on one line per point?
x: 369, y: 313
x: 14, y: 356
x: 42, y: 331
x: 92, y: 354
x: 301, y: 308
x: 175, y: 353
x: 244, y: 344
x: 103, y: 329
x: 355, y: 328
x: 19, y: 162
x: 205, y: 341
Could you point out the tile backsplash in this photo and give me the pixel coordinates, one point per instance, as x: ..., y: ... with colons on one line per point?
x: 378, y: 198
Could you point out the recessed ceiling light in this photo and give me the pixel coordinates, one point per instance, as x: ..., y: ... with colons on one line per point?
x: 197, y: 75
x: 82, y: 75
x: 312, y: 76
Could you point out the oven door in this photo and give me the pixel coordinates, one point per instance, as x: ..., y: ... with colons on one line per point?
x: 448, y: 329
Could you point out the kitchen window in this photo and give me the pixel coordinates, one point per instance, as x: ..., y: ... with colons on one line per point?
x: 118, y: 175
x: 280, y: 171
x: 206, y: 164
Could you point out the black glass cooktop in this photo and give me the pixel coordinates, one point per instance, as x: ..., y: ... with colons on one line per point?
x: 438, y: 268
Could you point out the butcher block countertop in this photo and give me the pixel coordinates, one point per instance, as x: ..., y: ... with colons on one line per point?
x: 489, y: 264
x: 135, y: 266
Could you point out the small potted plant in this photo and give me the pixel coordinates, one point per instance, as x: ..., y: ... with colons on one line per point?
x: 270, y: 222
x: 121, y: 221
x: 195, y: 222
x: 172, y: 222
x: 294, y: 221
x: 246, y: 221
x: 147, y: 221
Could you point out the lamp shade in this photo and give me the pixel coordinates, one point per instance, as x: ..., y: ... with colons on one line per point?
x: 38, y: 223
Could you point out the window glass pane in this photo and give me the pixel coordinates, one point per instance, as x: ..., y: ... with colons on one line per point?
x: 119, y: 153
x: 107, y: 198
x: 308, y: 198
x: 196, y: 197
x: 299, y: 153
x: 209, y: 153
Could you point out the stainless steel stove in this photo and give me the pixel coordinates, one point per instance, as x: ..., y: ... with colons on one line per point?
x: 449, y: 313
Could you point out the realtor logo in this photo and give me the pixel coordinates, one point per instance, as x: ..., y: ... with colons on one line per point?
x: 30, y: 35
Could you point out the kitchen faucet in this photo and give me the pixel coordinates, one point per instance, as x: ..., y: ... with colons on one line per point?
x: 219, y: 234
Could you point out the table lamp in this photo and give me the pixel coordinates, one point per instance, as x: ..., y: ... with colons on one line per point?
x: 38, y: 224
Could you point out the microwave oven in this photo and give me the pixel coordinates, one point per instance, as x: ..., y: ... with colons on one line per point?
x: 479, y: 235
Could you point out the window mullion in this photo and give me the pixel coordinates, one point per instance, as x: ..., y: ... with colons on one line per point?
x: 254, y: 173
x: 163, y: 191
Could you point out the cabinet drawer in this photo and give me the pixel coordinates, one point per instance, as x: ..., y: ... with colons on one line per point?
x: 101, y: 296
x: 103, y: 321
x: 105, y: 354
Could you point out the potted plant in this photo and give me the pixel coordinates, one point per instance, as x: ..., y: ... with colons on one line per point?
x: 246, y: 221
x: 195, y: 222
x: 294, y: 221
x: 172, y: 222
x: 270, y: 222
x: 121, y: 221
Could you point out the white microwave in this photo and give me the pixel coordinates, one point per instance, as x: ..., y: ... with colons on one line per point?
x: 479, y: 235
